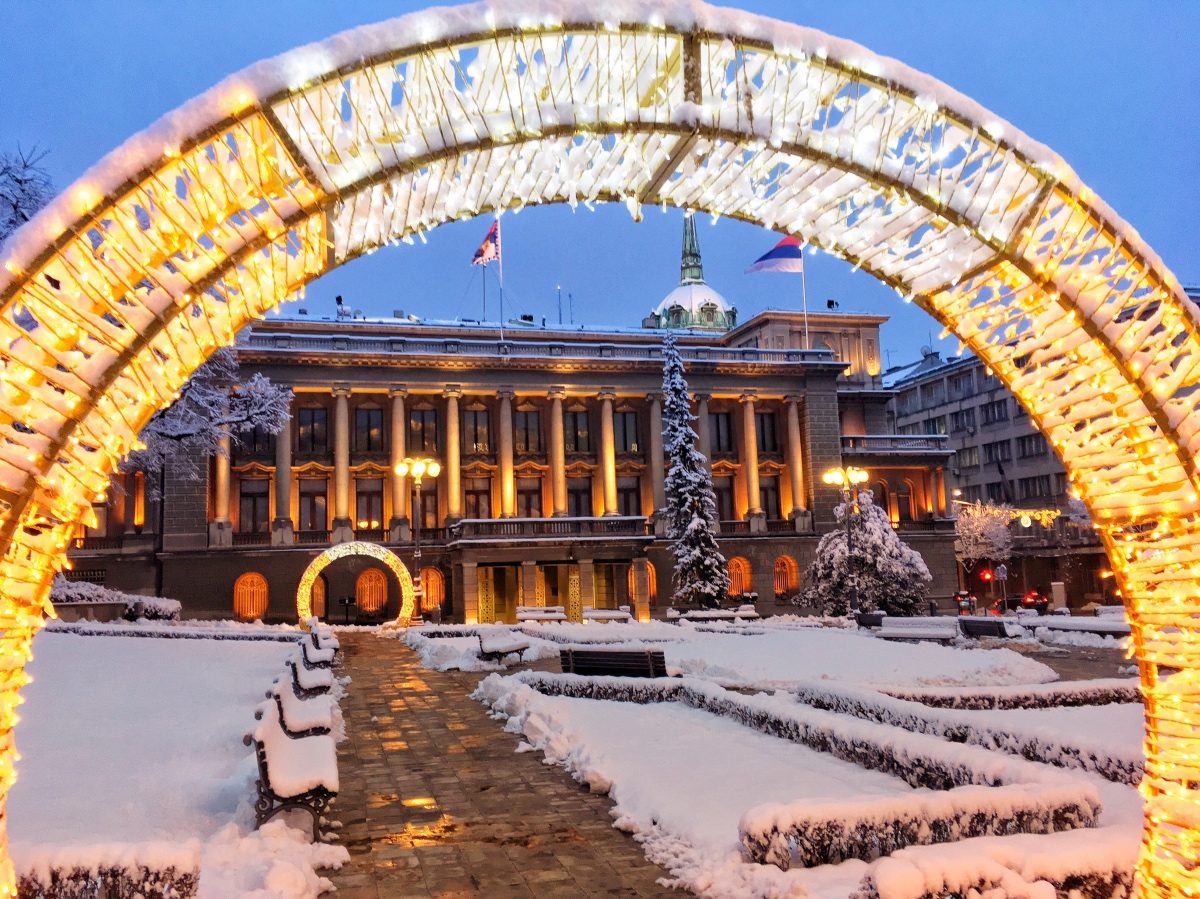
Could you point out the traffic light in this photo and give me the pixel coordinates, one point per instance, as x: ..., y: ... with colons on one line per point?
x: 986, y: 574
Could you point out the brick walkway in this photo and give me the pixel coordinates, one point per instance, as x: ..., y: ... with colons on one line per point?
x: 435, y: 802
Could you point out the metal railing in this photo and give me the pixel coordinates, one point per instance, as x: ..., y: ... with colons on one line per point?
x: 252, y: 538
x: 371, y: 535
x: 533, y: 528
x: 92, y: 543
x: 925, y: 525
x: 735, y: 527
x: 896, y: 443
x: 311, y: 537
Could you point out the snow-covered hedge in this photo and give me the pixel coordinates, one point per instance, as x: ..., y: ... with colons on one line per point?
x: 117, y: 871
x: 832, y: 832
x: 1035, y: 696
x: 965, y: 727
x: 1112, y: 881
x: 152, y: 608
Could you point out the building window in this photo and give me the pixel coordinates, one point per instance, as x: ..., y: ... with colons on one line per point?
x: 768, y: 492
x: 1062, y: 485
x: 1000, y: 451
x: 764, y: 427
x: 529, y: 498
x: 629, y: 496
x: 429, y: 504
x: 313, y: 498
x: 723, y: 489
x: 433, y: 589
x: 935, y: 425
x: 368, y: 494
x: 1035, y: 487
x: 962, y: 421
x: 317, y: 600
x: 250, y: 597
x: 962, y: 384
x: 579, y: 497
x: 527, y: 432
x: 973, y: 494
x: 422, y: 431
x: 720, y: 426
x: 313, y: 431
x: 1031, y: 445
x: 625, y: 432
x: 787, y: 577
x: 475, y: 431
x: 478, y: 495
x: 994, y: 412
x: 370, y: 591
x: 739, y: 577
x: 258, y: 441
x: 576, y: 437
x: 967, y: 457
x: 368, y: 430
x: 904, y: 503
x: 933, y: 394
x: 908, y: 402
x: 995, y: 492
x: 910, y: 430
x: 255, y: 507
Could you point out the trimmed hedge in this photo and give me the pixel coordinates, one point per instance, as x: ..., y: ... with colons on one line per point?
x: 112, y: 882
x: 1039, y: 696
x: 1114, y: 884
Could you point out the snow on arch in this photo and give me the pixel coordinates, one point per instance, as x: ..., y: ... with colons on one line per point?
x: 223, y: 208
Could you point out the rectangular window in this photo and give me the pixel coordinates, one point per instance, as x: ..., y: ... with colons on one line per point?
x: 933, y: 394
x: 429, y: 504
x: 962, y: 385
x: 527, y: 432
x: 368, y: 494
x: 994, y: 412
x: 255, y: 507
x: 258, y: 441
x: 529, y: 498
x: 935, y: 425
x: 475, y: 431
x: 910, y: 429
x: 764, y: 427
x: 1000, y: 451
x: 723, y: 488
x: 478, y: 496
x: 368, y: 430
x: 1035, y: 487
x: 576, y: 436
x: 1062, y: 486
x: 313, y: 498
x: 908, y: 402
x: 629, y: 496
x: 973, y: 494
x: 1031, y: 445
x: 768, y: 492
x: 313, y: 433
x: 625, y: 432
x: 995, y: 492
x: 579, y: 497
x: 100, y: 510
x: 967, y: 457
x: 422, y: 431
x: 720, y: 427
x: 962, y: 421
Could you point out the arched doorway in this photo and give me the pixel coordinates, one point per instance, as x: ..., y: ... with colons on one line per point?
x: 370, y: 592
x: 739, y: 577
x: 114, y: 295
x: 787, y: 577
x: 433, y: 589
x: 304, y: 592
x: 250, y: 597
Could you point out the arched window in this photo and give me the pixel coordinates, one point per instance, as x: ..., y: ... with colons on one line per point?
x: 250, y: 597
x: 651, y: 583
x: 787, y: 577
x: 739, y: 577
x: 879, y: 496
x: 318, y: 597
x: 904, y: 502
x: 433, y: 589
x: 653, y: 575
x: 370, y: 591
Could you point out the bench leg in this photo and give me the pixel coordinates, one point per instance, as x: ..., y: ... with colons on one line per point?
x: 265, y: 809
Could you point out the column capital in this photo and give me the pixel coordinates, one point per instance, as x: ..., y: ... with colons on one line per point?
x: 452, y: 391
x: 505, y: 393
x: 557, y: 393
x: 607, y: 393
x: 794, y: 398
x: 748, y: 396
x: 398, y: 390
x: 654, y: 397
x: 702, y: 397
x: 340, y: 390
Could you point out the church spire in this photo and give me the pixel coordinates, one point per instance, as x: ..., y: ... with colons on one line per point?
x: 691, y: 270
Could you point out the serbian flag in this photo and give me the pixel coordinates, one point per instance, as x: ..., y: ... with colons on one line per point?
x: 785, y: 256
x: 489, y: 250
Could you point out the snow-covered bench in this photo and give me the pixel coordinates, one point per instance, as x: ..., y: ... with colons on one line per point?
x: 494, y: 647
x: 541, y: 613
x: 593, y: 614
x: 316, y: 658
x: 614, y: 662
x: 936, y: 630
x: 321, y: 635
x: 989, y: 626
x: 1105, y: 627
x: 745, y: 612
x: 301, y: 717
x: 293, y: 772
x: 1109, y: 612
x: 309, y: 682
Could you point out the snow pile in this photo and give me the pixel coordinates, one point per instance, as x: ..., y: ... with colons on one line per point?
x: 1062, y: 637
x: 151, y: 608
x: 461, y: 653
x: 191, y: 629
x: 1105, y: 691
x: 1023, y: 732
x: 139, y: 742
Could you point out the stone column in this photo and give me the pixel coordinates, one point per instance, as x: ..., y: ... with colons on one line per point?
x: 795, y: 458
x: 703, y: 433
x: 608, y: 453
x: 282, y: 530
x: 220, y: 529
x: 399, y: 526
x: 453, y: 468
x: 343, y: 526
x: 657, y: 473
x: 558, y: 458
x: 940, y: 507
x: 470, y: 588
x: 754, y: 512
x: 504, y: 455
x: 587, y: 584
x: 641, y: 590
x: 529, y: 583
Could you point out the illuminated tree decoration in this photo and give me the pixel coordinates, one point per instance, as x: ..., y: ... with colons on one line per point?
x: 119, y: 289
x: 356, y: 548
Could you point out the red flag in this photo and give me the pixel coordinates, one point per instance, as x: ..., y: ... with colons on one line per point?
x: 489, y: 250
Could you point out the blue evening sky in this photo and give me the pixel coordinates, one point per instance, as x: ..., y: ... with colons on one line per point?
x: 1113, y: 87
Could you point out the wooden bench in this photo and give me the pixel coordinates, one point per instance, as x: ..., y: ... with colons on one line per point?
x: 869, y: 619
x: 541, y: 613
x: 300, y: 717
x: 614, y: 662
x: 293, y: 772
x: 930, y: 630
x: 310, y: 682
x: 602, y: 615
x: 495, y: 648
x: 315, y: 658
x: 974, y: 626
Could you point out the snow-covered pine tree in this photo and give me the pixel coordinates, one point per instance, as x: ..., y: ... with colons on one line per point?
x: 701, y: 575
x: 890, y: 575
x: 25, y: 188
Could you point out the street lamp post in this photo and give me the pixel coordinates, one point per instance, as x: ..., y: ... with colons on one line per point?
x: 848, y: 479
x: 417, y: 469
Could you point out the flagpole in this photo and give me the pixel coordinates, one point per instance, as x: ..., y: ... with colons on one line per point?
x: 484, y: 319
x: 804, y: 297
x: 500, y: 261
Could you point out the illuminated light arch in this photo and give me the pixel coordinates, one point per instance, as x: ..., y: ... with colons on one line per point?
x: 356, y: 548
x: 114, y: 295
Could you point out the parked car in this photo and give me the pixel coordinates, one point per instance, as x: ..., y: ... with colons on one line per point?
x: 1033, y: 601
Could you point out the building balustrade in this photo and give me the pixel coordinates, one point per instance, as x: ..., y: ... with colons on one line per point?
x: 252, y: 538
x: 735, y: 527
x: 527, y: 528
x: 96, y: 543
x: 925, y: 525
x: 371, y: 535
x: 311, y: 538
x: 896, y: 443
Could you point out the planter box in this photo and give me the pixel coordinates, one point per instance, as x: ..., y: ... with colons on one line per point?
x: 90, y: 611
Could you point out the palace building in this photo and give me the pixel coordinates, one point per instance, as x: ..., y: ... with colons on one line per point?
x: 552, y: 469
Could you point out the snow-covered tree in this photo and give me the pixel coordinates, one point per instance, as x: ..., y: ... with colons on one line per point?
x: 25, y: 187
x: 211, y: 405
x: 889, y: 574
x: 983, y: 533
x: 701, y: 575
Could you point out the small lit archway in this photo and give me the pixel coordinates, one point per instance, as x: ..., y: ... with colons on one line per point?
x: 787, y: 577
x: 370, y: 591
x: 356, y: 548
x: 739, y: 576
x: 433, y: 588
x: 250, y: 597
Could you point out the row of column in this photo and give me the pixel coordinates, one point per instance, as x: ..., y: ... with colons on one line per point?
x: 343, y: 525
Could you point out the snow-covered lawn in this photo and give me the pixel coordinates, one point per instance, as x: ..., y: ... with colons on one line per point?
x: 130, y: 740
